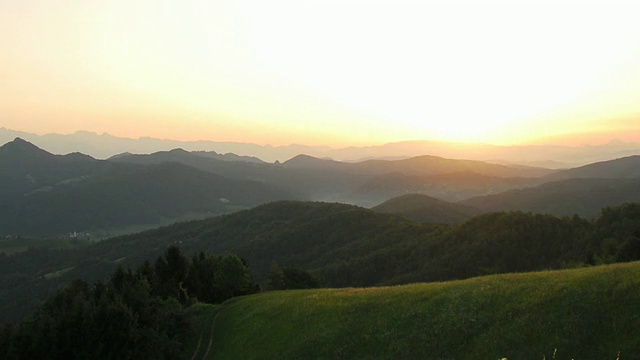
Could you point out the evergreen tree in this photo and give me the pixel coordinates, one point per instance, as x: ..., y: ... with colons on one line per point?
x: 232, y: 277
x: 276, y: 277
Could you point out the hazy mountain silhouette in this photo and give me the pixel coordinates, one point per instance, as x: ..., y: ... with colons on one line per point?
x: 181, y: 155
x: 370, y: 182
x: 35, y: 181
x: 228, y: 157
x: 104, y: 146
x: 585, y: 197
x: 304, y: 161
x: 330, y: 180
x: 552, y: 156
x: 623, y: 168
x: 426, y: 165
x: 25, y: 167
x: 49, y: 195
x: 454, y: 186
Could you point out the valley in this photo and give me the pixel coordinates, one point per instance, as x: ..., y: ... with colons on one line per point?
x: 47, y: 195
x: 355, y: 179
x: 355, y: 228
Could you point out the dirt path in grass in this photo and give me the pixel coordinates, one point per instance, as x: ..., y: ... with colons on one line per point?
x: 206, y: 353
x: 197, y: 348
x: 213, y: 324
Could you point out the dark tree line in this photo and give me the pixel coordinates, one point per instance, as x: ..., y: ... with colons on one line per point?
x: 291, y: 278
x: 135, y: 314
x: 346, y: 246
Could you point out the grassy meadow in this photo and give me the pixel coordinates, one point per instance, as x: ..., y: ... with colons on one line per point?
x: 587, y: 313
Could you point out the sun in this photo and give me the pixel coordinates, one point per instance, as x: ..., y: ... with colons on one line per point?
x: 322, y: 72
x: 499, y: 78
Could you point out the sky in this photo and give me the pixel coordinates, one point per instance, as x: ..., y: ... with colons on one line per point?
x: 332, y: 72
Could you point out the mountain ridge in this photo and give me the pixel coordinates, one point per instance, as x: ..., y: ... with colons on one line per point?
x: 581, y: 196
x: 625, y: 167
x: 47, y: 195
x: 104, y: 146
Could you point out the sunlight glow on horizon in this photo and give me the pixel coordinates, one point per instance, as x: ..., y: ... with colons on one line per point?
x: 321, y: 72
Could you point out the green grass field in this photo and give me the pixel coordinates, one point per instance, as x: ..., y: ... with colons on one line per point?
x: 588, y: 313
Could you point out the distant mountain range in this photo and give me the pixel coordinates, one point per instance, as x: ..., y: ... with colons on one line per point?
x: 583, y: 190
x: 24, y: 167
x: 452, y: 187
x: 53, y: 195
x: 549, y: 156
x: 46, y: 195
x: 43, y: 194
x: 583, y: 197
x: 330, y: 180
x: 623, y: 168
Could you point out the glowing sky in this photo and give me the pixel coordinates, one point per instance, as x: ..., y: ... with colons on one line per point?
x: 321, y: 72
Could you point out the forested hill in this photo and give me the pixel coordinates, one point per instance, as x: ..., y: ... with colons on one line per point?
x: 585, y: 197
x: 364, y: 183
x: 621, y: 168
x: 427, y: 209
x: 46, y: 195
x: 24, y: 167
x: 129, y: 195
x: 345, y: 245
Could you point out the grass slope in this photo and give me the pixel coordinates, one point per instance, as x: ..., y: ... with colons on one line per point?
x: 588, y: 313
x: 203, y: 317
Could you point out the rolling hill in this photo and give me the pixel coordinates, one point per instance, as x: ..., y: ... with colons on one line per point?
x: 583, y: 190
x: 427, y: 165
x: 585, y: 197
x: 345, y: 245
x: 622, y: 168
x: 589, y: 313
x: 364, y: 183
x: 427, y: 209
x: 452, y: 187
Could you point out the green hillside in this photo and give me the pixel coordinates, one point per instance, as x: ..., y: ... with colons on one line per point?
x: 589, y: 313
x: 345, y: 245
